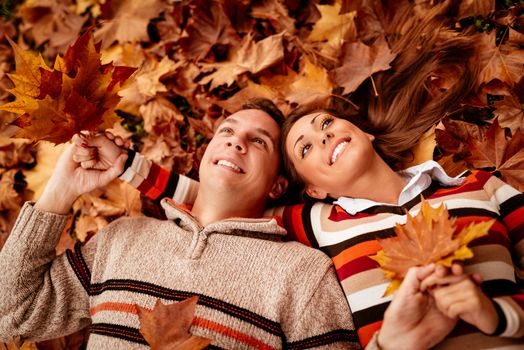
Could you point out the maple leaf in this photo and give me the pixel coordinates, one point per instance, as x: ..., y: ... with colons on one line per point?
x: 127, y: 20
x: 495, y: 151
x: 360, y: 62
x: 248, y: 57
x: 77, y: 94
x: 166, y: 327
x: 15, y: 152
x: 429, y: 237
x: 312, y: 85
x: 207, y: 26
x: 333, y: 29
x: 503, y: 62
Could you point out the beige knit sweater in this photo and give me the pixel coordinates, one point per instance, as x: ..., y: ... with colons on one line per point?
x: 254, y: 290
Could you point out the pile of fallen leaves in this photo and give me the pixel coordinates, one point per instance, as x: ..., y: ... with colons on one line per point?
x: 199, y: 60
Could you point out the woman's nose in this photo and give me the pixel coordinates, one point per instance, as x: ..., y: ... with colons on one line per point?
x: 326, y: 137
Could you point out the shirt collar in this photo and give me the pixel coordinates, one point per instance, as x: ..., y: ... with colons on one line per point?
x: 418, y: 178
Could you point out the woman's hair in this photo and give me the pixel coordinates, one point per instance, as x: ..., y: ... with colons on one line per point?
x: 409, y: 103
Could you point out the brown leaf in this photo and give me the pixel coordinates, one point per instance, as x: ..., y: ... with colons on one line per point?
x: 333, y: 29
x: 496, y: 151
x: 510, y: 113
x: 249, y: 57
x: 502, y: 62
x: 276, y: 13
x: 161, y: 116
x: 208, y: 25
x: 127, y: 20
x: 14, y: 152
x: 360, y: 62
x: 52, y: 21
x: 166, y: 327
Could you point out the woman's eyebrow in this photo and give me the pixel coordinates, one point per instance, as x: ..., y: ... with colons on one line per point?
x: 314, y: 118
x: 298, y: 140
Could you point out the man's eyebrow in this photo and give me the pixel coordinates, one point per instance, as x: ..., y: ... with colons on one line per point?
x: 230, y: 119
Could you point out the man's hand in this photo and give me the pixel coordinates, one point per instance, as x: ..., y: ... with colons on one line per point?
x: 412, y: 320
x: 98, y: 151
x: 459, y: 295
x: 69, y: 180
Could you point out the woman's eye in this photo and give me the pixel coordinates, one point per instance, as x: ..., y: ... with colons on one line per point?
x: 304, y: 150
x: 325, y: 123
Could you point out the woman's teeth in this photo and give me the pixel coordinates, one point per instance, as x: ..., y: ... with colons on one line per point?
x: 340, y: 147
x: 230, y: 165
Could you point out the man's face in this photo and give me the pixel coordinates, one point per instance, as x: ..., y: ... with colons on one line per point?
x: 243, y: 156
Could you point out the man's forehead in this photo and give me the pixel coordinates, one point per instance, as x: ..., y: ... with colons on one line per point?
x: 260, y: 122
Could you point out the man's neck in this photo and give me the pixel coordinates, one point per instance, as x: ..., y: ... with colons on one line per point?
x: 212, y: 207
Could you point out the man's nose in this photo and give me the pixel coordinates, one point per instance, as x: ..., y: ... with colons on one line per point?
x: 237, y: 145
x: 326, y: 137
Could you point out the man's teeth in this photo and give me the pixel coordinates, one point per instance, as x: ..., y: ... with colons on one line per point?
x: 337, y: 151
x: 229, y: 164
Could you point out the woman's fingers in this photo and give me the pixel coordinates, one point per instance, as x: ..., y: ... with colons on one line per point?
x: 436, y: 279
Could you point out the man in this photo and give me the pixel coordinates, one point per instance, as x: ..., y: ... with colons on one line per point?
x: 254, y: 290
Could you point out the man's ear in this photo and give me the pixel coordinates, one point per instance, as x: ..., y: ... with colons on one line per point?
x: 315, y: 192
x: 279, y: 187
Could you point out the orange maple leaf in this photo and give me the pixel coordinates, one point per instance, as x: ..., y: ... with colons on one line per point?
x: 79, y: 93
x: 166, y: 327
x: 428, y: 237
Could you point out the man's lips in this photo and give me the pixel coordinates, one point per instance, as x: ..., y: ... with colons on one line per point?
x: 338, y: 149
x: 229, y: 164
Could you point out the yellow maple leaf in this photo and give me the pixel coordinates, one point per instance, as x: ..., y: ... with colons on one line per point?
x: 428, y: 237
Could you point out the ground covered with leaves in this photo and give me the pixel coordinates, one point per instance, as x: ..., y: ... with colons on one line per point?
x: 197, y: 61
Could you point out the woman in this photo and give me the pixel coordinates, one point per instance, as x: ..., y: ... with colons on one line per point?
x: 332, y: 158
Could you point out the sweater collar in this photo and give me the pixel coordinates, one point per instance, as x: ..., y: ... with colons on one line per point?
x: 418, y: 178
x: 270, y: 228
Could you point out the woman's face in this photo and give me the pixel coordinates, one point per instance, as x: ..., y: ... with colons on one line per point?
x: 329, y: 153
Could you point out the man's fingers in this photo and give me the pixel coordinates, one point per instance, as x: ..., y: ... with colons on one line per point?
x: 88, y: 164
x: 115, y: 170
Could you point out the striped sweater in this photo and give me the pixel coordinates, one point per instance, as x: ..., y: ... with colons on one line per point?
x: 255, y: 291
x: 349, y: 240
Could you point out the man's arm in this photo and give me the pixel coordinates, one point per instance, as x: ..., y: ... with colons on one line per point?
x: 40, y: 295
x: 325, y: 322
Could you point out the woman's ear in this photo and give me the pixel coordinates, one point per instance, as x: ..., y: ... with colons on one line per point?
x: 370, y: 137
x: 279, y: 187
x: 315, y: 192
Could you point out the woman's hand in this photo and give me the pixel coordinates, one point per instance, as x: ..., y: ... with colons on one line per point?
x: 98, y: 151
x: 412, y: 320
x: 69, y: 180
x: 459, y: 295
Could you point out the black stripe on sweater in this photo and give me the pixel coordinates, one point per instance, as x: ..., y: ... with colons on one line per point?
x: 118, y: 331
x: 510, y: 205
x: 243, y: 314
x: 79, y: 266
x: 308, y: 229
x: 370, y: 315
x: 336, y: 336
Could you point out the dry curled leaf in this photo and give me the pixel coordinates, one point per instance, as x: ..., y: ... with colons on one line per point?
x: 166, y: 327
x: 79, y: 93
x: 429, y: 237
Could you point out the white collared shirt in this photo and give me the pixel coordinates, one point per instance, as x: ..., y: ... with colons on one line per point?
x: 418, y: 178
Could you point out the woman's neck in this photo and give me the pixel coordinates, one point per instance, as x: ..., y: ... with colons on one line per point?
x: 379, y: 183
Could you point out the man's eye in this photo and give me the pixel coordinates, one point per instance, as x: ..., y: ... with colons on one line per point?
x: 325, y: 123
x: 303, y: 150
x: 259, y: 141
x: 226, y: 130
